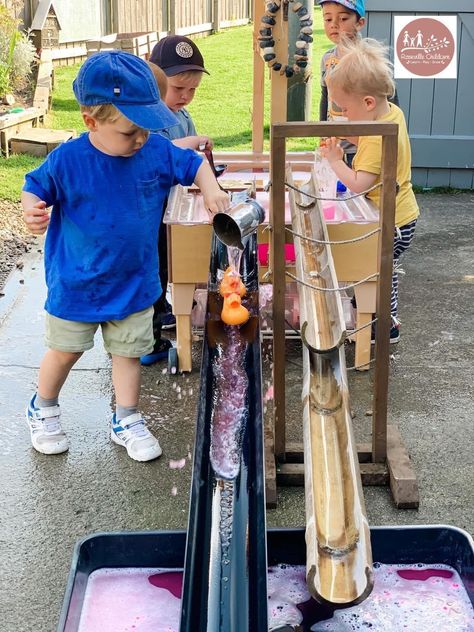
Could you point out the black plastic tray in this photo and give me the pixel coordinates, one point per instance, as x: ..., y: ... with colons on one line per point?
x: 165, y: 549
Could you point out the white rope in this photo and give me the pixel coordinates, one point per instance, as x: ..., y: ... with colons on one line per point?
x: 331, y: 289
x: 330, y: 243
x: 336, y: 199
x: 351, y: 332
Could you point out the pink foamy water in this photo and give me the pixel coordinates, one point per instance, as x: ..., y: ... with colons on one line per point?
x: 405, y: 599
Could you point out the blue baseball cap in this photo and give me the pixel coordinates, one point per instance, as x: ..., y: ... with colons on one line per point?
x: 354, y: 5
x: 127, y: 82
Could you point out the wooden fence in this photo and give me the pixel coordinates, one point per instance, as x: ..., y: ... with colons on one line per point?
x: 185, y: 17
x: 190, y: 17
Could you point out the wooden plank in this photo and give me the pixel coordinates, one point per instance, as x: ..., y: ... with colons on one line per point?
x: 465, y: 88
x: 372, y: 474
x: 298, y: 129
x: 270, y: 468
x: 461, y: 179
x: 39, y: 141
x: 277, y: 265
x: 290, y: 474
x: 184, y: 342
x: 403, y: 483
x: 439, y: 177
x: 42, y: 99
x: 440, y: 151
x: 295, y: 452
x: 258, y: 94
x: 279, y: 82
x: 384, y: 287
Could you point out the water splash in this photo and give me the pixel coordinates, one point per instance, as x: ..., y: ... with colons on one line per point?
x: 230, y: 409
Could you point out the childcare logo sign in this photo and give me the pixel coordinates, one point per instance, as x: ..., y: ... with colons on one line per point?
x: 425, y: 47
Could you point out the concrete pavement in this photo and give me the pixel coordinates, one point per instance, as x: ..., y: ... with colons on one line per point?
x: 47, y: 503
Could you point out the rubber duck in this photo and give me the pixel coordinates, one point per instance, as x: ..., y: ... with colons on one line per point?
x: 231, y: 283
x: 233, y: 312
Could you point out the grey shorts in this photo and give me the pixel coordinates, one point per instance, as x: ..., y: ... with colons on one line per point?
x: 131, y: 337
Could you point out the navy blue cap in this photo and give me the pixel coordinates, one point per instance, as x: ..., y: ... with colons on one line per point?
x: 175, y: 54
x: 127, y: 82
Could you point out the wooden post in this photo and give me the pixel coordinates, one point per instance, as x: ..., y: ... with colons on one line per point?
x: 279, y: 82
x: 258, y: 83
x: 277, y: 266
x: 384, y: 288
x: 215, y: 15
x: 172, y: 16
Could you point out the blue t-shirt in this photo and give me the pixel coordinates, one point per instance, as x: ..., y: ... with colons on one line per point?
x: 101, y: 259
x: 184, y: 128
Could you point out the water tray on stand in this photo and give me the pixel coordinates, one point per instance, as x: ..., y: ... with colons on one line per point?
x: 165, y: 549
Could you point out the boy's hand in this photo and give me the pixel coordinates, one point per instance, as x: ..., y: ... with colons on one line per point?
x: 36, y: 218
x: 217, y: 201
x: 332, y: 150
x: 204, y: 142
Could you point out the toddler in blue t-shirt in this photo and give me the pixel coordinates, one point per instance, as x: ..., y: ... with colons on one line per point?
x: 106, y: 189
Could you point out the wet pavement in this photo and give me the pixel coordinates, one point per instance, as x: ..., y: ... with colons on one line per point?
x: 48, y: 502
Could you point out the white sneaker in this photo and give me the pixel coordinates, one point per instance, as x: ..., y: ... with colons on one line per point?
x: 47, y: 436
x: 131, y: 433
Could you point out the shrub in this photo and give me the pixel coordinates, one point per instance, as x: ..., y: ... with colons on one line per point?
x: 16, y: 54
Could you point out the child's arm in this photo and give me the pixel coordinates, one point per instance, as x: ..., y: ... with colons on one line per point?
x: 194, y: 142
x: 356, y: 181
x: 215, y: 199
x: 35, y: 215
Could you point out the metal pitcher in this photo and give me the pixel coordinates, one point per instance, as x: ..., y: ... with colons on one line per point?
x: 240, y: 220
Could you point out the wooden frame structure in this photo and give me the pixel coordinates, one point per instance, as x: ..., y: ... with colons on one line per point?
x: 386, y: 459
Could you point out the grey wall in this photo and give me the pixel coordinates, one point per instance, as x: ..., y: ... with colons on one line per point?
x: 439, y: 112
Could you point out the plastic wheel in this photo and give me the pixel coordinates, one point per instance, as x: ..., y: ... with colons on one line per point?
x: 173, y: 361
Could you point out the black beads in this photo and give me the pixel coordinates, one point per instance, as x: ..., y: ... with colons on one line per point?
x: 272, y: 7
x: 266, y: 41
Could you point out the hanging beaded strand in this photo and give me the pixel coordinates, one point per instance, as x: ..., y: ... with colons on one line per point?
x: 267, y: 43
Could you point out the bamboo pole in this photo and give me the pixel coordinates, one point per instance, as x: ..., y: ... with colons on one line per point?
x: 338, y: 552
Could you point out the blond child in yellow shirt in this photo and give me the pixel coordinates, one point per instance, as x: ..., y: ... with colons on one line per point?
x: 361, y: 85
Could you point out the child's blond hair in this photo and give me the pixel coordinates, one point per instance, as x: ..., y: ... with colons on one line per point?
x: 364, y: 69
x: 105, y: 112
x: 160, y: 78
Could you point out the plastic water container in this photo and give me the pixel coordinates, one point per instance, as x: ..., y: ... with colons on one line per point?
x: 326, y: 177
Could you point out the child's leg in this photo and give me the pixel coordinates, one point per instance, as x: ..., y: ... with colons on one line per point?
x: 126, y: 378
x: 127, y: 340
x: 67, y: 340
x: 403, y: 238
x: 54, y: 369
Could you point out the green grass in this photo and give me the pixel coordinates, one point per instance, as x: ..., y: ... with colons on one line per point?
x: 222, y: 108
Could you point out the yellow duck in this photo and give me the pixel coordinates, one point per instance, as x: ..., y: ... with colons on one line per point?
x: 232, y: 289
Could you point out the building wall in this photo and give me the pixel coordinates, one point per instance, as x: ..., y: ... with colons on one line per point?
x: 439, y: 112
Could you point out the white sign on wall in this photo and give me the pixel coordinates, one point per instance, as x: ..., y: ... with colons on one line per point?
x: 425, y: 47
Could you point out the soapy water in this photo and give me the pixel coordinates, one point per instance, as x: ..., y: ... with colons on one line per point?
x: 405, y: 599
x: 230, y: 406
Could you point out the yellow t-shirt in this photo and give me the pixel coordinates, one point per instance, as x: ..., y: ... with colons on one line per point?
x: 369, y: 158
